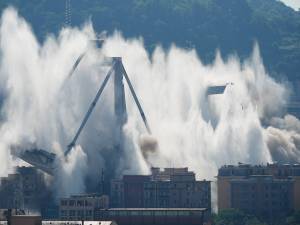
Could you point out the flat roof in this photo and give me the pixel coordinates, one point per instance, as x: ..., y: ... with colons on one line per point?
x: 157, y: 209
x: 26, y: 216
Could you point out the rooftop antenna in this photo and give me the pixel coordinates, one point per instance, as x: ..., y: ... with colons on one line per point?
x: 68, y: 14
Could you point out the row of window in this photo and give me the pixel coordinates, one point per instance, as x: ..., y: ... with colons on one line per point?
x: 75, y: 203
x: 154, y: 213
x: 73, y: 213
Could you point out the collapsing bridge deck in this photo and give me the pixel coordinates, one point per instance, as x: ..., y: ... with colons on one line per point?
x: 45, y: 161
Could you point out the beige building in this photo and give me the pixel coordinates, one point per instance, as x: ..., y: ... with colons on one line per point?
x: 282, y: 179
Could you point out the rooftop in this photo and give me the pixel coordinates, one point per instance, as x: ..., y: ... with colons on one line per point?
x: 156, y: 209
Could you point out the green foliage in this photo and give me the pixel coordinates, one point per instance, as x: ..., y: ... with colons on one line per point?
x: 235, y: 217
x: 231, y: 25
x: 293, y: 219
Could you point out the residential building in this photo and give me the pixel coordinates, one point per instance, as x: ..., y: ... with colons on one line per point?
x: 81, y: 207
x: 270, y: 191
x: 11, y: 192
x: 170, y: 188
x: 24, y: 189
x: 133, y: 191
x: 33, y: 187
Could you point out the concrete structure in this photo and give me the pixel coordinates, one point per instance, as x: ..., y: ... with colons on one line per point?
x: 34, y: 188
x: 45, y: 161
x: 153, y: 216
x: 268, y: 191
x: 8, y: 213
x: 22, y: 220
x: 78, y: 222
x: 36, y: 220
x: 23, y: 190
x: 170, y: 188
x: 81, y: 207
x: 133, y: 191
x: 263, y: 196
x: 26, y: 220
x: 11, y: 192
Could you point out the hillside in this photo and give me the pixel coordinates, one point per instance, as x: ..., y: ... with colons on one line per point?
x: 231, y: 25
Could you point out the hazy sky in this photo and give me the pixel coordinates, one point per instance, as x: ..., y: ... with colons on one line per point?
x: 292, y: 3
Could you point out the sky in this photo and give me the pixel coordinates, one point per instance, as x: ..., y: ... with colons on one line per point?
x: 295, y: 4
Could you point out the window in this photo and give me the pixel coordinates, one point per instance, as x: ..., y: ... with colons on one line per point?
x: 146, y: 213
x: 88, y: 213
x: 159, y: 213
x: 113, y: 213
x: 64, y: 202
x: 80, y: 203
x: 134, y: 213
x: 64, y: 213
x: 123, y: 213
x: 71, y: 202
x: 80, y: 213
x: 183, y: 213
x: 72, y: 213
x: 171, y: 213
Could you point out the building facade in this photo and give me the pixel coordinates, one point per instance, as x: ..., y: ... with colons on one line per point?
x: 270, y: 191
x: 81, y: 207
x: 34, y: 188
x: 23, y: 190
x: 11, y: 192
x: 170, y: 188
x: 153, y: 216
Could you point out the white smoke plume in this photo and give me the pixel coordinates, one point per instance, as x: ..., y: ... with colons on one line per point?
x: 44, y: 107
x: 72, y: 171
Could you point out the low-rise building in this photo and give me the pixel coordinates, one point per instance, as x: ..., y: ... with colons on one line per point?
x: 24, y: 189
x: 153, y: 216
x: 11, y: 192
x: 81, y: 207
x: 37, y: 220
x: 33, y: 187
x: 270, y: 191
x: 68, y: 222
x: 170, y: 188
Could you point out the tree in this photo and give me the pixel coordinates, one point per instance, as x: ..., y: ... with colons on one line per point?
x: 231, y: 25
x: 235, y: 217
x: 293, y: 219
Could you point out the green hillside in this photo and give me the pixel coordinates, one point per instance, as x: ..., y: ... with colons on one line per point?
x: 231, y: 25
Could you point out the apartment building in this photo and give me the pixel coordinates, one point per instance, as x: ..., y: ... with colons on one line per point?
x: 170, y: 188
x: 11, y: 192
x: 270, y: 191
x: 81, y: 207
x: 25, y: 189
